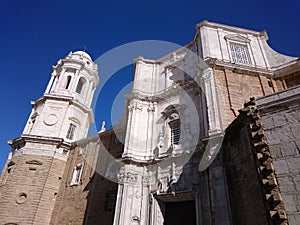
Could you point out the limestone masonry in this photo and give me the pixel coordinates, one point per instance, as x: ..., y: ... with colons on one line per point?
x: 210, y: 135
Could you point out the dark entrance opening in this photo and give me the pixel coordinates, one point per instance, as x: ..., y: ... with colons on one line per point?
x: 180, y: 213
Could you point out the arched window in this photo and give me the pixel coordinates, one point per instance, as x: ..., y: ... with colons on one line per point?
x: 68, y: 82
x: 80, y: 85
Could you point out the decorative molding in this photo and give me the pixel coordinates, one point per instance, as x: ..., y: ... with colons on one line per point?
x: 21, y: 198
x: 50, y: 119
x: 236, y: 38
x: 212, y: 105
x: 127, y: 177
x: 75, y: 120
x: 34, y: 162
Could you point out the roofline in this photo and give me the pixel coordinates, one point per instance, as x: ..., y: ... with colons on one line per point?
x: 206, y: 23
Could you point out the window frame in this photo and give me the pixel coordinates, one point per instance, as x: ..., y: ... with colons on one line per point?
x: 68, y: 82
x: 175, y: 132
x: 80, y: 85
x: 77, y: 172
x: 71, y: 131
x: 239, y: 53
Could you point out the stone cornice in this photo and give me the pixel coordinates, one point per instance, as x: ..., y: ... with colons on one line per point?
x: 286, y: 69
x: 206, y: 23
x: 279, y: 101
x: 161, y: 95
x: 239, y: 68
x: 20, y: 141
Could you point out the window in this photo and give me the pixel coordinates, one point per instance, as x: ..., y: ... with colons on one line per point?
x: 240, y: 53
x: 76, y: 174
x: 71, y: 130
x: 175, y: 132
x: 80, y: 85
x: 68, y: 82
x: 33, y: 119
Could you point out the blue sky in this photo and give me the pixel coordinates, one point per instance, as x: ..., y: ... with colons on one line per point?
x: 35, y: 34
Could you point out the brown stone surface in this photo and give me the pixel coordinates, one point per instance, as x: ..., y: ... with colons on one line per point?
x: 281, y: 125
x: 246, y: 197
x: 235, y: 88
x: 86, y: 203
x: 36, y: 184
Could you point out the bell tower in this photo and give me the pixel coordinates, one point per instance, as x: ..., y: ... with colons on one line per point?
x: 64, y: 109
x: 62, y: 115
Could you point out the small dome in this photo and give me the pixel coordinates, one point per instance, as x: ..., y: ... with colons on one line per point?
x: 81, y: 53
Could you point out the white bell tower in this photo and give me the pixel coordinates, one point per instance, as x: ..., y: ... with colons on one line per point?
x: 58, y: 118
x: 64, y: 109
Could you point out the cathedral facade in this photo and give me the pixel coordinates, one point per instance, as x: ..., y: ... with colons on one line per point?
x: 210, y: 135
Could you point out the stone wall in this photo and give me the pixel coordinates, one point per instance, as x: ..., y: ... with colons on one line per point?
x: 28, y: 189
x: 246, y: 197
x: 281, y: 122
x: 234, y: 88
x: 89, y: 201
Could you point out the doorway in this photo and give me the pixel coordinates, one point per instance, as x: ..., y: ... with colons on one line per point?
x: 179, y: 213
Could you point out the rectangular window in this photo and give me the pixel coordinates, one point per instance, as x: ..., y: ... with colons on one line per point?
x: 80, y: 85
x: 71, y: 130
x: 76, y: 174
x: 240, y: 54
x: 68, y: 82
x: 175, y: 132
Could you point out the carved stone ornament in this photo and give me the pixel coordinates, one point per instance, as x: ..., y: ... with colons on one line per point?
x: 21, y: 198
x: 237, y: 38
x: 164, y: 184
x: 151, y: 108
x: 127, y: 177
x: 50, y: 120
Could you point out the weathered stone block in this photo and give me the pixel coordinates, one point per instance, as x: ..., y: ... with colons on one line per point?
x: 280, y: 166
x: 297, y: 182
x: 275, y: 151
x: 289, y: 203
x: 272, y: 137
x: 288, y: 149
x: 297, y: 143
x: 286, y: 184
x: 296, y: 130
x: 294, y: 219
x: 279, y: 119
x: 293, y: 116
x: 268, y: 123
x: 294, y: 164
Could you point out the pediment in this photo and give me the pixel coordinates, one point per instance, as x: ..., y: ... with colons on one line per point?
x: 34, y: 162
x: 237, y: 38
x: 75, y: 120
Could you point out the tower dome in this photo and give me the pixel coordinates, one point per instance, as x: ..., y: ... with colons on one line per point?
x: 75, y: 76
x: 80, y: 54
